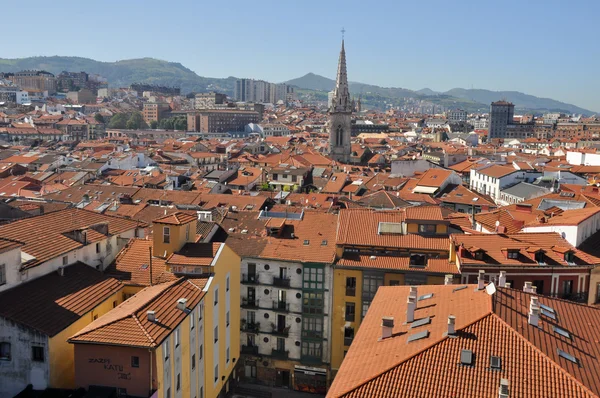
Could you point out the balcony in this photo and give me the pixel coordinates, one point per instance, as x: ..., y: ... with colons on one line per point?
x: 282, y: 282
x: 250, y: 278
x: 281, y: 305
x: 280, y: 354
x: 252, y: 327
x: 249, y: 303
x: 350, y: 291
x: 279, y: 330
x: 250, y: 349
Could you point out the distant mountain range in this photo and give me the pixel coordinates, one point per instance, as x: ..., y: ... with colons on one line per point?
x: 153, y: 71
x: 477, y: 97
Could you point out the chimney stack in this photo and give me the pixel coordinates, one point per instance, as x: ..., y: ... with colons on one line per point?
x: 151, y: 316
x: 181, y: 304
x: 503, y: 390
x: 448, y: 279
x: 411, y: 305
x: 481, y: 280
x: 502, y: 278
x: 534, y: 312
x: 387, y: 326
x: 527, y: 287
x: 451, y: 323
x: 533, y: 289
x: 413, y: 292
x: 507, y: 285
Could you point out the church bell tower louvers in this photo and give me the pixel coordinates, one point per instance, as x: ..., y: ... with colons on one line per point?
x: 340, y: 113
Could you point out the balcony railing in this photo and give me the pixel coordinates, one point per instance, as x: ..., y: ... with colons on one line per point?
x: 250, y: 349
x: 250, y: 278
x: 283, y: 282
x: 250, y: 326
x: 280, y: 331
x: 280, y: 354
x: 281, y: 305
x: 350, y: 291
x: 249, y: 303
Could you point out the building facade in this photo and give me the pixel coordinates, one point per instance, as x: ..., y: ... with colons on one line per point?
x: 501, y: 115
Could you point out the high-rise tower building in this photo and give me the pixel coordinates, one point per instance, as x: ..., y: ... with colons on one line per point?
x: 340, y: 113
x: 501, y: 115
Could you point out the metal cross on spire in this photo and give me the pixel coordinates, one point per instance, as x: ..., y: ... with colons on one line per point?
x: 343, y: 31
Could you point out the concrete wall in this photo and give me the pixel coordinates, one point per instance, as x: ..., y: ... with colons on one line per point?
x: 12, y: 262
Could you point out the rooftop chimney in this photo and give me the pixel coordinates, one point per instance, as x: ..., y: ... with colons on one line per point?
x: 451, y: 323
x: 534, y: 312
x: 502, y: 278
x: 413, y: 292
x: 181, y: 304
x: 503, y: 390
x: 533, y: 289
x: 387, y: 326
x: 507, y: 285
x: 448, y: 279
x: 151, y: 316
x: 527, y: 287
x: 411, y: 305
x: 481, y: 280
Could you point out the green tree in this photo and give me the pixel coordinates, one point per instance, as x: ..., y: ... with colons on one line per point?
x: 136, y: 122
x: 153, y: 124
x: 99, y: 118
x: 118, y: 121
x: 180, y: 123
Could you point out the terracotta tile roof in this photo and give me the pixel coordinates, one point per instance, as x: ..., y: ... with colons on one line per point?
x: 360, y: 227
x: 424, y: 213
x: 6, y: 245
x: 132, y: 265
x: 497, y: 171
x: 495, y: 246
x: 335, y: 183
x: 248, y: 244
x: 178, y: 218
x: 463, y: 195
x: 51, y: 303
x: 355, y: 260
x: 195, y: 254
x: 434, y: 177
x: 487, y: 325
x: 313, y: 241
x: 570, y: 217
x: 383, y: 200
x: 128, y: 323
x: 46, y: 237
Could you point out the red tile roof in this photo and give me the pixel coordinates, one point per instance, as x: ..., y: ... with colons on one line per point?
x: 178, y: 218
x: 355, y: 260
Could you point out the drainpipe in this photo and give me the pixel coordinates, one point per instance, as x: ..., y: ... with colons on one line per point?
x: 150, y: 352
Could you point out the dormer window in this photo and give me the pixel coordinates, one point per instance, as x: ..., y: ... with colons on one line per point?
x: 427, y: 229
x: 539, y: 256
x: 569, y: 257
x: 479, y: 255
x: 512, y: 254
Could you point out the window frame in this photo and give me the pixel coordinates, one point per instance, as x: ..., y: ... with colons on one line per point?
x: 38, y: 349
x: 135, y: 361
x: 166, y: 235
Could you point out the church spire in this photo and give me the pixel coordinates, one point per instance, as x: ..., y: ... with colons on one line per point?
x: 341, y: 94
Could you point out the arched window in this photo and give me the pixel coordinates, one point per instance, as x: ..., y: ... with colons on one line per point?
x: 339, y: 135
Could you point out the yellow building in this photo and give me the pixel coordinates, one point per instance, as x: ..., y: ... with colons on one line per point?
x: 383, y: 248
x: 38, y: 317
x: 186, y: 338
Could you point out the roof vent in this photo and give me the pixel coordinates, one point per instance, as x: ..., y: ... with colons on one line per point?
x: 448, y: 279
x: 387, y: 326
x: 181, y: 304
x: 527, y: 287
x: 151, y: 316
x: 451, y: 325
x: 413, y: 292
x: 503, y: 390
x: 534, y: 312
x: 411, y: 305
x: 507, y: 285
x: 502, y: 278
x: 481, y: 280
x: 466, y: 357
x: 373, y: 257
x: 533, y: 289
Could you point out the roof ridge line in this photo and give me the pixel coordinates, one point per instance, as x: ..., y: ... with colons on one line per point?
x: 544, y: 355
x: 137, y: 321
x: 413, y: 355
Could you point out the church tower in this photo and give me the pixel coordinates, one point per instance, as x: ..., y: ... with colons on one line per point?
x: 340, y: 113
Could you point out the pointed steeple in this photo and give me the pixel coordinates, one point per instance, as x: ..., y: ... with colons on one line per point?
x: 341, y: 94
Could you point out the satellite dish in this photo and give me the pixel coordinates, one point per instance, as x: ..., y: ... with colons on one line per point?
x: 491, y: 288
x: 498, y: 223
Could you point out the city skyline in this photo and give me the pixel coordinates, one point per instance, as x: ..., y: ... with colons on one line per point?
x: 439, y: 46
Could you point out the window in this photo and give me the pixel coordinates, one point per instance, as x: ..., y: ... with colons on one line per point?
x: 313, y: 278
x: 193, y: 361
x: 227, y: 355
x: 166, y: 235
x: 2, y: 274
x: 5, y: 351
x: 365, y: 308
x: 65, y: 260
x: 350, y: 286
x: 37, y: 353
x: 539, y: 257
x: 201, y: 312
x: 370, y: 285
x: 114, y: 304
x: 479, y: 255
x: 569, y: 257
x: 176, y: 337
x: 200, y: 351
x: 514, y: 254
x: 216, y: 373
x: 427, y: 229
x: 227, y: 284
x: 166, y: 350
x: 97, y: 247
x: 169, y: 392
x: 350, y: 311
x: 227, y: 319
x: 216, y: 333
x: 187, y: 233
x: 280, y: 344
x: 178, y: 381
x: 313, y: 303
x: 310, y: 349
x: 201, y: 392
x: 348, y: 335
x: 394, y: 283
x: 192, y: 323
x: 216, y: 296
x: 135, y: 362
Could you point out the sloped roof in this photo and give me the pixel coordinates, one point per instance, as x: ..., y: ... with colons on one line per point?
x: 178, y: 218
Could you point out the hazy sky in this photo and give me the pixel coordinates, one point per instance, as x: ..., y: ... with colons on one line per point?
x: 545, y: 48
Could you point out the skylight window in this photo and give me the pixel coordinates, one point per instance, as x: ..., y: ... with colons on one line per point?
x: 324, y: 243
x: 566, y: 356
x: 418, y: 336
x: 466, y: 357
x: 425, y: 297
x: 420, y: 322
x: 546, y: 308
x: 306, y: 242
x: 562, y: 332
x: 549, y: 314
x: 456, y: 289
x: 495, y: 363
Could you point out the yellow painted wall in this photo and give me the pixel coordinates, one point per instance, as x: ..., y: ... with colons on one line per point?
x: 441, y: 229
x: 387, y: 278
x: 178, y: 234
x: 186, y: 353
x: 338, y: 320
x: 131, y: 289
x: 228, y: 262
x: 594, y: 280
x: 62, y: 354
x: 412, y: 228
